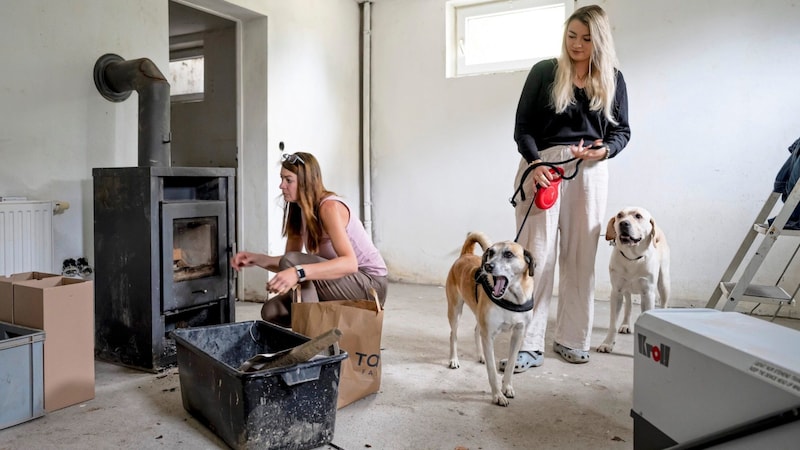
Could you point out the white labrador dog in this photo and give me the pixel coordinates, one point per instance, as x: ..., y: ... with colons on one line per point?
x: 639, y: 265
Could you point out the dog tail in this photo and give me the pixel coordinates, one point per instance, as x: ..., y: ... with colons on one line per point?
x: 475, y: 237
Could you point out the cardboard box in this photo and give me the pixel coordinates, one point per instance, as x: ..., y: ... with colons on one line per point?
x: 7, y: 291
x: 64, y: 309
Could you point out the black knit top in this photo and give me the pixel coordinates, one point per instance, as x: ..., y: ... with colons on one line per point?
x: 539, y: 127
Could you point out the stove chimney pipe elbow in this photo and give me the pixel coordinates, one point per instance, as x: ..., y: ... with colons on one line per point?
x: 115, y: 78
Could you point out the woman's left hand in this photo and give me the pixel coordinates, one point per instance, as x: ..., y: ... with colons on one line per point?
x: 587, y: 153
x: 283, y: 281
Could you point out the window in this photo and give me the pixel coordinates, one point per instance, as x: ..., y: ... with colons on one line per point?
x: 500, y: 36
x: 186, y: 77
x: 186, y: 70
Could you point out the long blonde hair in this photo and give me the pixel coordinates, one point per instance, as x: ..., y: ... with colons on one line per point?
x: 310, y: 192
x: 601, y: 84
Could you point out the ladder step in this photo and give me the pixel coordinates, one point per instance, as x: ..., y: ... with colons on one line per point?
x: 759, y: 293
x: 763, y: 228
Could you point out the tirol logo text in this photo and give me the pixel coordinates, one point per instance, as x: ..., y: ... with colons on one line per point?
x: 367, y: 364
x: 658, y: 353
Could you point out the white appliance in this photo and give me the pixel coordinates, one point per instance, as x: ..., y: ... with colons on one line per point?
x: 704, y: 378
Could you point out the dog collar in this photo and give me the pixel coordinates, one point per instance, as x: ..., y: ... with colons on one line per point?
x: 634, y: 259
x: 480, y: 278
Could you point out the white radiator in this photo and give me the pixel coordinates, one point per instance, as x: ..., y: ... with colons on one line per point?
x: 26, y: 237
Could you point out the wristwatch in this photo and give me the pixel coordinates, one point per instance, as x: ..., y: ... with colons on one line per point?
x: 301, y: 273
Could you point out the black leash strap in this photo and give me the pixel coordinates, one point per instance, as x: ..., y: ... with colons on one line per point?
x: 521, y: 191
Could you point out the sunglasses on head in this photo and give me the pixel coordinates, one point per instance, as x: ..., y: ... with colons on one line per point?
x: 291, y: 158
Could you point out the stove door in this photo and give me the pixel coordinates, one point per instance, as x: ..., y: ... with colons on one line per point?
x: 194, y: 260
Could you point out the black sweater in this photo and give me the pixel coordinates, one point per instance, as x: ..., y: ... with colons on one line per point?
x: 539, y: 127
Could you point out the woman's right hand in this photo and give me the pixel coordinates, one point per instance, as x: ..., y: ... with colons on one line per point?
x: 541, y: 176
x: 248, y: 259
x: 243, y: 259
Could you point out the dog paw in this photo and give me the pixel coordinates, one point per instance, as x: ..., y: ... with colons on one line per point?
x: 508, y: 390
x: 625, y: 329
x: 605, y: 348
x: 454, y: 364
x: 500, y: 399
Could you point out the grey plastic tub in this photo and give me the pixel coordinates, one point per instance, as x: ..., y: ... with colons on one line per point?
x: 22, y: 375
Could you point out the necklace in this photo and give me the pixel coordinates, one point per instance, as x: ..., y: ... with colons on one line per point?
x: 581, y: 78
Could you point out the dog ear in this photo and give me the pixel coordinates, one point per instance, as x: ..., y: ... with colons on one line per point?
x: 655, y: 233
x: 611, y: 233
x: 530, y: 261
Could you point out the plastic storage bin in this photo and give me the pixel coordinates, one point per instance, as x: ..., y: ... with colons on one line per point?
x: 290, y: 408
x: 21, y: 374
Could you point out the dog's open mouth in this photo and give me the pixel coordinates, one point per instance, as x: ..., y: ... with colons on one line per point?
x: 629, y: 240
x: 499, y: 288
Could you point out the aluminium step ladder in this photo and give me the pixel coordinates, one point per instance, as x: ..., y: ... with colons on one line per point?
x: 733, y: 291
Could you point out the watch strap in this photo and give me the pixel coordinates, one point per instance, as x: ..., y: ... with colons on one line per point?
x: 301, y: 273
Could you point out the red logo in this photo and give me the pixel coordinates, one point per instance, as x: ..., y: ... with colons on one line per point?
x: 658, y: 353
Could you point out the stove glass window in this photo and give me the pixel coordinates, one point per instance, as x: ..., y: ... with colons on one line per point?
x: 194, y: 248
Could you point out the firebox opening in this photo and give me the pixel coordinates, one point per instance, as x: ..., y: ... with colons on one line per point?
x: 194, y: 248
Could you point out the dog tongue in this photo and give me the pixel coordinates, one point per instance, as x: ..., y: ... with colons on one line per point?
x: 499, y: 286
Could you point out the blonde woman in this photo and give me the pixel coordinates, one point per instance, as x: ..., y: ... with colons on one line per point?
x: 573, y: 106
x: 341, y: 261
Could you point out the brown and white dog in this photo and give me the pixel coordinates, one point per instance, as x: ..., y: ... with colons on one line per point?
x: 639, y: 264
x: 498, y: 288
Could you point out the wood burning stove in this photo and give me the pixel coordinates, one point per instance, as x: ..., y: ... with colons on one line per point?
x: 163, y: 242
x: 163, y: 235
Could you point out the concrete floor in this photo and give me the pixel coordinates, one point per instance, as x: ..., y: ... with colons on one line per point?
x: 422, y: 403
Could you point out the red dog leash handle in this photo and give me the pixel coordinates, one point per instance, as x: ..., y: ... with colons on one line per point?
x: 547, y: 196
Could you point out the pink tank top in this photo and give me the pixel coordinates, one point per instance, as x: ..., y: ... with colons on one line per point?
x: 369, y: 258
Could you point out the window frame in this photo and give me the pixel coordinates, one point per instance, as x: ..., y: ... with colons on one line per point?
x: 456, y: 14
x: 187, y: 47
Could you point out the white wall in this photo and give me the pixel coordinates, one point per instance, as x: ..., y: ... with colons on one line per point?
x: 313, y: 106
x: 313, y: 96
x: 711, y: 89
x: 56, y: 126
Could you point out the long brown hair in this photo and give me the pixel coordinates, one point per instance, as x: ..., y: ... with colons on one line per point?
x: 310, y: 192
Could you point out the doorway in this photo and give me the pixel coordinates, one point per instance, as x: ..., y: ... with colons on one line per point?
x: 248, y: 156
x: 203, y: 117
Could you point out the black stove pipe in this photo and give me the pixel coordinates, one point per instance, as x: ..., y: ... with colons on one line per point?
x: 115, y: 78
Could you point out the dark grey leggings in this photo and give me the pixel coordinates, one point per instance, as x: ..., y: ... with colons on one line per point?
x: 355, y: 286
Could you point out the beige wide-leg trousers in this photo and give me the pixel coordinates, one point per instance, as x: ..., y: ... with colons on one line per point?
x: 570, y: 231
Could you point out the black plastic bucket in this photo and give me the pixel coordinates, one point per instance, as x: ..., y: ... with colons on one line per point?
x: 289, y: 408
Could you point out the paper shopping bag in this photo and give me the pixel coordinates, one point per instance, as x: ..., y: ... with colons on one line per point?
x: 361, y: 324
